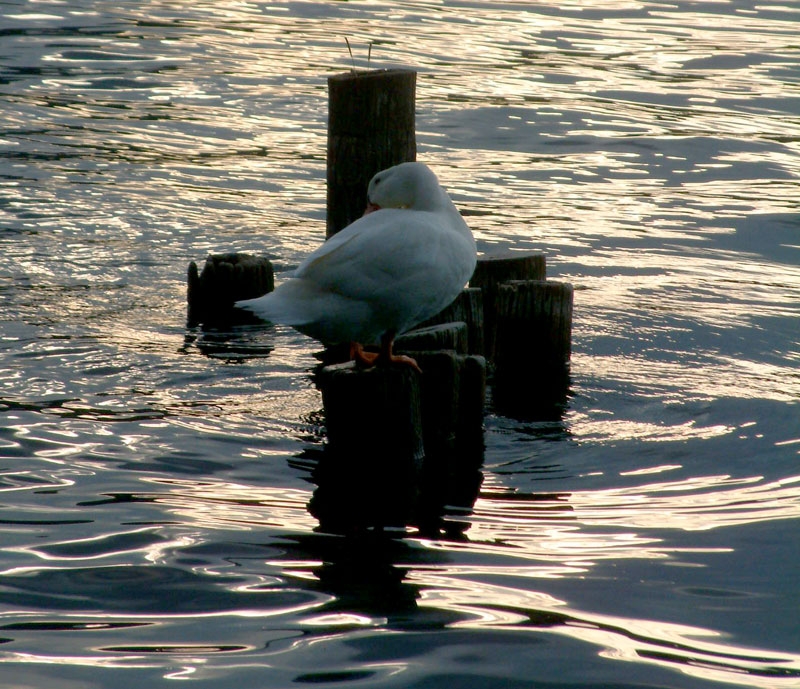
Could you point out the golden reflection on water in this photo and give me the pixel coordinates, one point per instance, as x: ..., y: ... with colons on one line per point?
x: 696, y: 504
x: 639, y: 144
x: 219, y: 505
x: 692, y: 650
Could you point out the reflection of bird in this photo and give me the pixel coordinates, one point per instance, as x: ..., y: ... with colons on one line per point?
x: 406, y: 259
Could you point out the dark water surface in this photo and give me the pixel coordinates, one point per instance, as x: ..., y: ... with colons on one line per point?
x: 156, y: 478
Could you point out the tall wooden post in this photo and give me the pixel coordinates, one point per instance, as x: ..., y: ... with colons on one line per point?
x: 370, y: 127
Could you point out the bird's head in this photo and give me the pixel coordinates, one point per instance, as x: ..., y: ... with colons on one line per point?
x: 408, y: 185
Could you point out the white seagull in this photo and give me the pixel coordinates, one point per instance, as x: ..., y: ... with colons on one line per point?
x: 405, y: 260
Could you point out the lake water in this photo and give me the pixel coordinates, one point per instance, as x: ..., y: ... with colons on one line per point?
x: 156, y: 478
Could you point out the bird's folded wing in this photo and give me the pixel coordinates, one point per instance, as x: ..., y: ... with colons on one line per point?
x: 365, y: 259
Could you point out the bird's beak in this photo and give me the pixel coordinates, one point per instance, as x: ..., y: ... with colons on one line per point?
x: 371, y: 207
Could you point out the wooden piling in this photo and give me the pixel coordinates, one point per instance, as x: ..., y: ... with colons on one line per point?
x: 370, y: 128
x: 453, y: 409
x: 490, y: 273
x: 434, y: 337
x: 453, y: 393
x: 402, y: 438
x: 533, y: 346
x: 225, y: 279
x: 369, y: 476
x: 373, y: 413
x: 467, y: 308
x: 453, y: 389
x: 462, y: 478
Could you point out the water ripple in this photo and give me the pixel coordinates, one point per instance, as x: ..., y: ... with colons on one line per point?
x: 156, y: 478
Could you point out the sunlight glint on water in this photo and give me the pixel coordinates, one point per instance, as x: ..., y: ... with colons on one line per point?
x: 159, y: 480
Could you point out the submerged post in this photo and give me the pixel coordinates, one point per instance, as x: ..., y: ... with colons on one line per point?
x: 370, y: 127
x: 225, y: 279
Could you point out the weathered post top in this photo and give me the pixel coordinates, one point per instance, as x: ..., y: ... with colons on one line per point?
x: 370, y: 127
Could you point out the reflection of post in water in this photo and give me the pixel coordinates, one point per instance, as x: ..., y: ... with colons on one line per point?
x: 362, y: 575
x: 231, y: 342
x: 366, y: 574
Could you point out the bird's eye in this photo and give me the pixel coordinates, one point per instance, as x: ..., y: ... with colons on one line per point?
x: 377, y: 181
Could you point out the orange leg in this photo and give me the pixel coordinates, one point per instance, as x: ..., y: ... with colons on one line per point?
x: 358, y: 355
x: 383, y: 358
x: 386, y: 356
